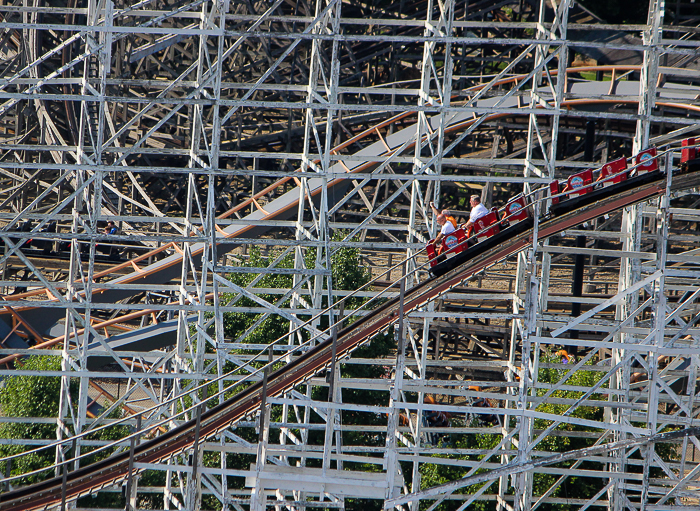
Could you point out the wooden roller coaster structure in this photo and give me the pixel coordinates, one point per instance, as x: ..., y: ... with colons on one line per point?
x: 449, y: 274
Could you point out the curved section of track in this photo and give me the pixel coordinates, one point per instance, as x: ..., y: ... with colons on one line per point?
x: 283, y: 207
x: 114, y: 469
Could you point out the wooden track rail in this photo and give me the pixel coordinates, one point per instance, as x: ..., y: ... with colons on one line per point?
x: 115, y: 469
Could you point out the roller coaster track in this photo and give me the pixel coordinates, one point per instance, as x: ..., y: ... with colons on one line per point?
x: 116, y: 468
x: 285, y: 206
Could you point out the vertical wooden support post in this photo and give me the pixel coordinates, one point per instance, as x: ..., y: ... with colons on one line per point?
x: 330, y: 411
x: 258, y: 497
x: 64, y: 484
x: 8, y: 473
x: 130, y: 493
x: 193, y: 500
x: 391, y: 456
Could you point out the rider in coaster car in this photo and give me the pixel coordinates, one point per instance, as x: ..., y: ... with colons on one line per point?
x: 445, y: 229
x: 565, y: 356
x: 111, y: 228
x: 435, y: 419
x: 445, y: 212
x: 482, y: 402
x: 478, y: 210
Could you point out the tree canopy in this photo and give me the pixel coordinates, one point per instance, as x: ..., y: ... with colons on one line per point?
x: 36, y: 397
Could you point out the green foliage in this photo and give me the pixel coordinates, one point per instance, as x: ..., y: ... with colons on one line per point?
x: 348, y: 271
x: 38, y: 397
x: 348, y: 274
x: 31, y: 396
x: 435, y: 474
x: 582, y: 378
x: 18, y: 396
x: 273, y: 327
x: 573, y: 487
x: 108, y: 434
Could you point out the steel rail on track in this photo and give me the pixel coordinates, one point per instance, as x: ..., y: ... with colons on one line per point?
x: 115, y: 469
x: 165, y: 269
x: 150, y: 274
x: 457, y: 123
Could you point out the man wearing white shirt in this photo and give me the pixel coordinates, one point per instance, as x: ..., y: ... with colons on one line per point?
x: 445, y: 229
x: 478, y: 210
